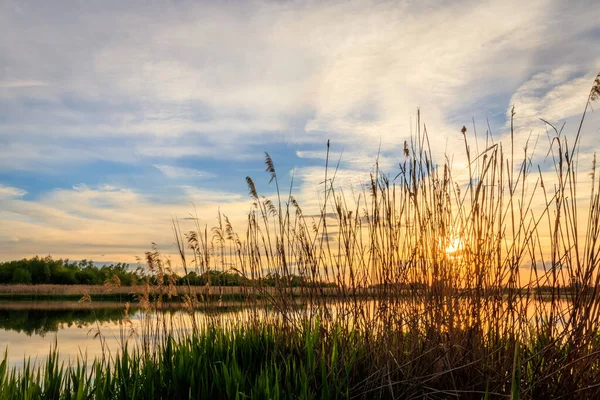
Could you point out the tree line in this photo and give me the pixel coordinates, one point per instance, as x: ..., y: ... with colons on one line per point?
x: 46, y: 270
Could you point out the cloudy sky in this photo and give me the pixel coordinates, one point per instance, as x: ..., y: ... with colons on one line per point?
x: 117, y: 116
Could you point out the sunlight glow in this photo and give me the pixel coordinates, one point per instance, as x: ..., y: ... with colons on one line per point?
x: 455, y: 246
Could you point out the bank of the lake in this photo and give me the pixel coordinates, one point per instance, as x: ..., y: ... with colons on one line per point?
x: 122, y: 294
x: 271, y: 361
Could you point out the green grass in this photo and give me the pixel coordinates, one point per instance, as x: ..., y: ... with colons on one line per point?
x: 238, y: 363
x: 272, y: 362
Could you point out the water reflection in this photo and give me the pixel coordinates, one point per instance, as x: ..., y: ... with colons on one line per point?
x: 41, y: 322
x: 29, y: 329
x: 43, y: 317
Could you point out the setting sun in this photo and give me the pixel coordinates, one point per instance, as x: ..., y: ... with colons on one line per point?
x: 455, y: 246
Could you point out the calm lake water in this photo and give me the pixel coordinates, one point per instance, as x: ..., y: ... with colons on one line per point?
x: 29, y: 329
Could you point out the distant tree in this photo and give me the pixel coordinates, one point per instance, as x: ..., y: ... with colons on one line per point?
x: 48, y: 270
x: 21, y: 275
x: 40, y: 270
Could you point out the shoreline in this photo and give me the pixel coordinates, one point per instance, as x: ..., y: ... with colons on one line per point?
x: 132, y: 294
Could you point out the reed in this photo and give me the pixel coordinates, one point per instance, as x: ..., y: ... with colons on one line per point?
x: 474, y: 290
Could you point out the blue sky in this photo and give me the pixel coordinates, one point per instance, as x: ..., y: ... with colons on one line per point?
x: 117, y: 116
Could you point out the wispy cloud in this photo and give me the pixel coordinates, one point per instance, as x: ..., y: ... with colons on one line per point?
x: 554, y: 95
x: 8, y: 191
x: 118, y: 222
x: 174, y: 172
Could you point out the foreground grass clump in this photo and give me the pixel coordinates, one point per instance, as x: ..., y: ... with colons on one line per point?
x: 272, y: 362
x: 237, y: 363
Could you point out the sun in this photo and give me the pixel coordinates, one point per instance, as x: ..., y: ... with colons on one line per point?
x: 455, y: 246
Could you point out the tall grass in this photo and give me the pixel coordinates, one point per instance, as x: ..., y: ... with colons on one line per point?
x: 263, y: 363
x: 482, y: 284
x: 515, y: 304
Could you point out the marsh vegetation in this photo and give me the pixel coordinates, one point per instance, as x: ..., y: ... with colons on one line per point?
x: 482, y: 284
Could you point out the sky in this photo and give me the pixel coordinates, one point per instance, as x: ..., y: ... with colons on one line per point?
x: 116, y: 117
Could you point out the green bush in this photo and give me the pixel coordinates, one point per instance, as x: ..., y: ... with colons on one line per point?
x: 21, y: 275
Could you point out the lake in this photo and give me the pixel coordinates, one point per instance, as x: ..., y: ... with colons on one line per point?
x: 28, y: 329
x: 31, y: 328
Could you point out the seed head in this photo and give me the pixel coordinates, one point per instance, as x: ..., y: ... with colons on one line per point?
x: 595, y: 92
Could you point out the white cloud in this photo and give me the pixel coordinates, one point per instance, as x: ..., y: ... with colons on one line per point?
x: 174, y: 172
x: 359, y: 69
x: 322, y: 155
x: 42, y: 154
x: 8, y: 191
x: 203, y: 196
x: 120, y: 223
x: 554, y: 95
